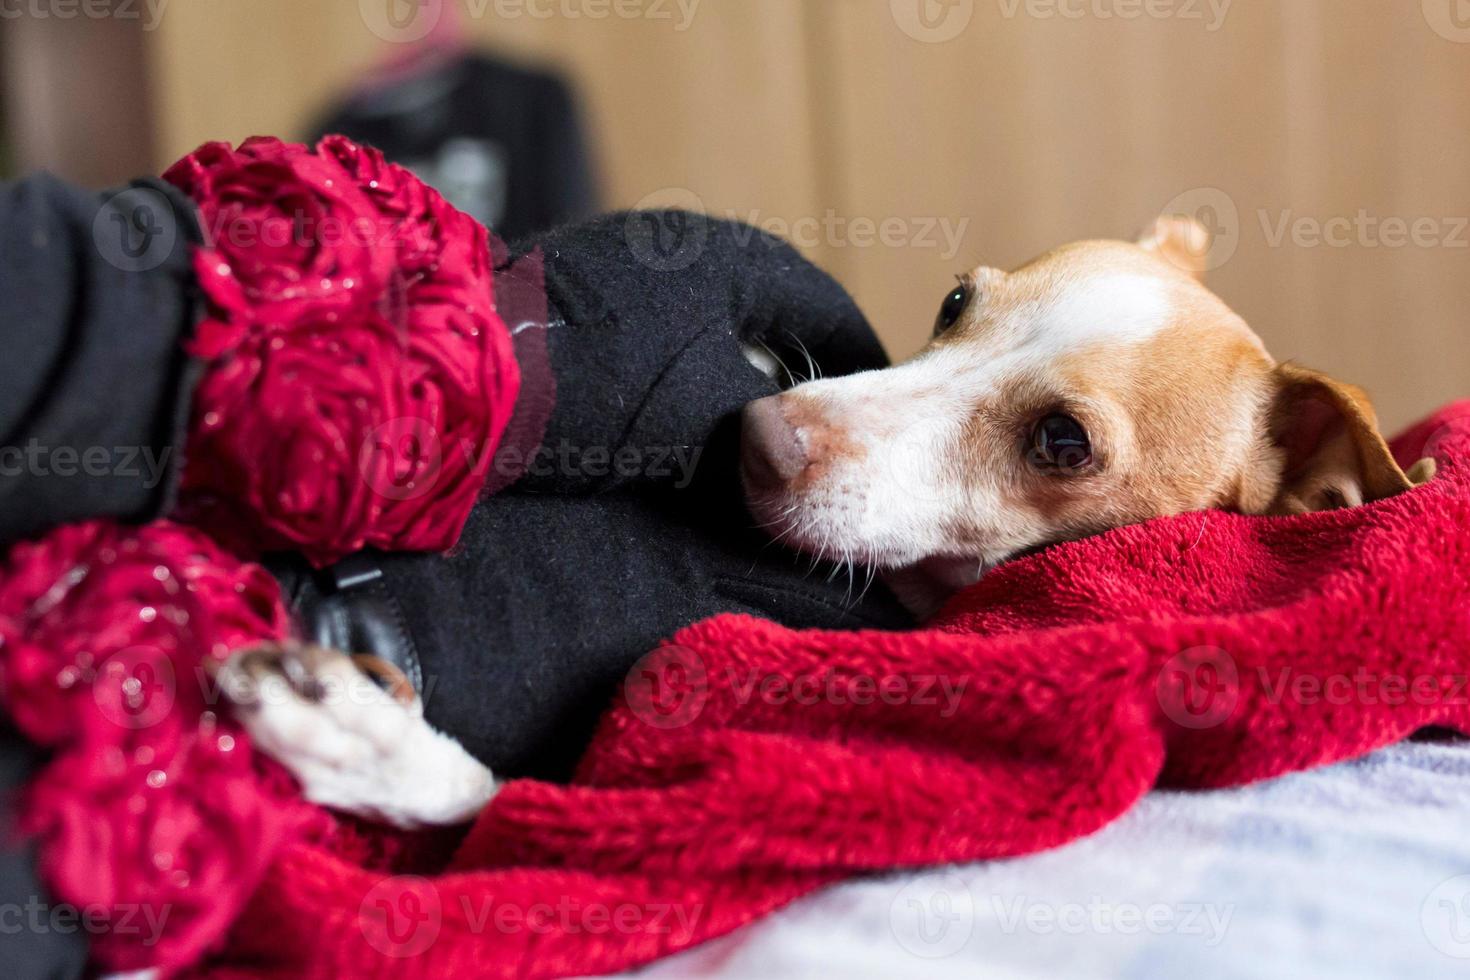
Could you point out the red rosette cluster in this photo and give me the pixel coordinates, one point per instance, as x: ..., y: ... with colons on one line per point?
x: 358, y: 376
x: 156, y: 820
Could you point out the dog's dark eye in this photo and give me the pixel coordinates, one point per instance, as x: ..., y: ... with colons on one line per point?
x: 1059, y: 443
x: 954, y: 304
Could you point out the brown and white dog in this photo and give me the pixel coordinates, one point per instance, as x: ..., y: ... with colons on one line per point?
x: 1100, y: 385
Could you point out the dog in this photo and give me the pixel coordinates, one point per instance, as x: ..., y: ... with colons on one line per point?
x: 1097, y: 386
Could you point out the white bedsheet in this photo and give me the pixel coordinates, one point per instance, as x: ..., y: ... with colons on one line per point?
x: 1358, y: 870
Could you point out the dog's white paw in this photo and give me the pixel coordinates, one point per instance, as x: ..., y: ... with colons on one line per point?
x: 350, y: 743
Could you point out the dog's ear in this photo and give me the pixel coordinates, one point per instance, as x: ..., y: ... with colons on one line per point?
x: 1181, y: 241
x: 1326, y: 435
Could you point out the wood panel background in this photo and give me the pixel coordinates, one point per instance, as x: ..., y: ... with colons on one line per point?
x: 1037, y: 122
x: 75, y: 98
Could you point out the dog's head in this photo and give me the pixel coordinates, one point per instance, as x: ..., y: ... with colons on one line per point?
x: 1100, y: 385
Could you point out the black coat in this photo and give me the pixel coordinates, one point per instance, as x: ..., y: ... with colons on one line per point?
x: 505, y: 144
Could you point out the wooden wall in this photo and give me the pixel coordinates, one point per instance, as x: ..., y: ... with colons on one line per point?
x: 75, y: 98
x: 1031, y: 125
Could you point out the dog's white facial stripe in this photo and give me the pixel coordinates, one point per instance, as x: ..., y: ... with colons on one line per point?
x: 1125, y: 308
x: 1117, y: 308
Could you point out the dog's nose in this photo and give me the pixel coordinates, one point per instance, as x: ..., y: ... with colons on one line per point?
x: 771, y: 450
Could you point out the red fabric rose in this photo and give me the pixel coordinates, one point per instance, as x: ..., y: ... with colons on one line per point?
x: 377, y: 423
x: 286, y: 232
x: 155, y: 818
x: 358, y: 384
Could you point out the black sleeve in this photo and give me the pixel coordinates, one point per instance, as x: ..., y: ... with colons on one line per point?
x: 31, y: 949
x: 96, y: 299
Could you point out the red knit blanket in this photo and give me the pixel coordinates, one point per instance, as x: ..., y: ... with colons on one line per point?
x: 746, y: 764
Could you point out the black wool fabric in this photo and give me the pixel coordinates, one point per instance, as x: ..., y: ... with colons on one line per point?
x: 563, y: 581
x: 97, y: 293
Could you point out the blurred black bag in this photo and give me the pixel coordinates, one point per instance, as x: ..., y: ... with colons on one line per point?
x: 502, y: 143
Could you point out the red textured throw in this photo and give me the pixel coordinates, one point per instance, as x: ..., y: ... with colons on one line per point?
x: 748, y: 764
x: 359, y: 378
